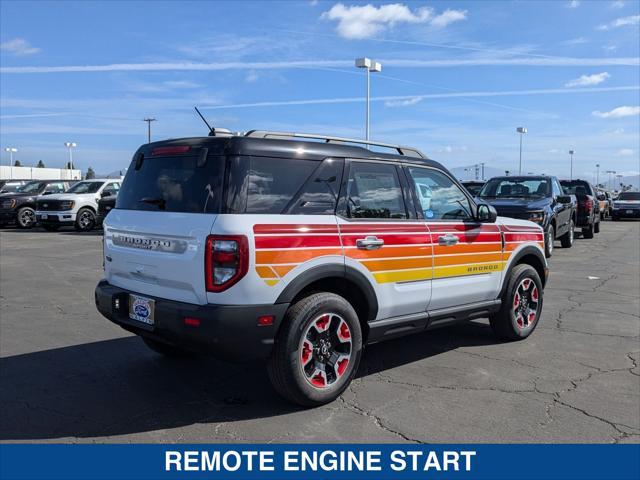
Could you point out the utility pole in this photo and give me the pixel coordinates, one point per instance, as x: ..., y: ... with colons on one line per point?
x: 521, y: 131
x: 371, y: 67
x: 571, y: 152
x: 597, y: 174
x: 482, y: 165
x: 148, y: 120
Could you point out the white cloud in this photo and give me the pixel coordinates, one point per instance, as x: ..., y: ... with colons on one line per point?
x: 251, y: 77
x: 619, y: 112
x: 631, y: 20
x: 617, y: 4
x: 18, y: 46
x: 449, y: 16
x: 403, y: 103
x: 575, y: 41
x: 554, y: 151
x: 399, y: 63
x: 625, y: 152
x: 181, y: 84
x: 610, y: 48
x: 359, y: 22
x: 573, y: 4
x: 587, y: 80
x: 451, y: 149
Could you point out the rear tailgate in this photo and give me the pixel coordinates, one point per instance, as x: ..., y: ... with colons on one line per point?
x: 160, y: 254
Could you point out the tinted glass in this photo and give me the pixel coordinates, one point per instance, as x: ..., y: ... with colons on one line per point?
x: 31, y: 187
x: 273, y: 182
x: 510, y: 187
x: 54, y: 188
x: 473, y: 188
x: 320, y: 194
x: 629, y: 196
x: 576, y: 187
x: 374, y: 191
x: 439, y: 198
x: 173, y: 184
x: 85, y: 187
x: 111, y: 189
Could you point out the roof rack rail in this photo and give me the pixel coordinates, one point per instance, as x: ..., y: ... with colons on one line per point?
x: 402, y: 150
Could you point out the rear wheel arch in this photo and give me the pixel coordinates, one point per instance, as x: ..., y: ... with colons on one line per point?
x: 347, y: 282
x: 529, y: 256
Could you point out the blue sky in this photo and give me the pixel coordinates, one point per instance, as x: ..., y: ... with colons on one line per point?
x: 457, y: 79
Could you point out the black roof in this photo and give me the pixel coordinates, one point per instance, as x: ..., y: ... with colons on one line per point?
x: 286, y: 148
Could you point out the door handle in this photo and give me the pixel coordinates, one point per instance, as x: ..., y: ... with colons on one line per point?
x: 369, y: 243
x: 448, y: 240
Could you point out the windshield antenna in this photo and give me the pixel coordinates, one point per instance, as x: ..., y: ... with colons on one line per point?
x: 212, y: 130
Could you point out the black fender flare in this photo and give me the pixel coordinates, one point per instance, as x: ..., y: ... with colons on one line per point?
x: 321, y: 272
x: 527, y: 250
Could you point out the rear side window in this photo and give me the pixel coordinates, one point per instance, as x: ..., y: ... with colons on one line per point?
x: 319, y: 194
x: 374, y: 191
x: 173, y: 184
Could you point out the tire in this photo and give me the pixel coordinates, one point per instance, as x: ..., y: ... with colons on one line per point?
x: 85, y: 220
x: 549, y: 238
x: 50, y: 228
x: 588, y: 232
x: 596, y: 227
x: 26, y: 218
x: 166, y: 349
x: 314, y: 331
x: 510, y: 322
x: 614, y: 218
x: 566, y: 240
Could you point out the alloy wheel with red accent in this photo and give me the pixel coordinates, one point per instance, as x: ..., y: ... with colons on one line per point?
x: 325, y: 350
x: 525, y: 304
x: 521, y: 304
x: 317, y: 350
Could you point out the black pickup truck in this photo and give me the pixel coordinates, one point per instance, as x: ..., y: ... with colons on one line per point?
x: 539, y: 199
x: 588, y: 218
x: 19, y: 206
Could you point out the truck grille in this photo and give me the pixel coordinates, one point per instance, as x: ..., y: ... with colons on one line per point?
x: 49, y: 205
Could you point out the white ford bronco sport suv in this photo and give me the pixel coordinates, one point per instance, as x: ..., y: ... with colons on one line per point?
x: 301, y: 249
x: 77, y: 206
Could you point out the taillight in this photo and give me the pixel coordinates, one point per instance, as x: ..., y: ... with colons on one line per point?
x: 226, y: 261
x: 170, y: 150
x: 587, y: 203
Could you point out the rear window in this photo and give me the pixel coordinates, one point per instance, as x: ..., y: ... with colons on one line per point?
x: 629, y: 196
x: 576, y: 187
x: 173, y: 184
x: 514, y: 187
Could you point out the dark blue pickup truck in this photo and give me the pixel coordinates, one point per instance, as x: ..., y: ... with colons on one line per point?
x: 539, y: 199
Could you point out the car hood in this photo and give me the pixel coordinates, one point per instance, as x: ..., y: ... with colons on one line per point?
x: 69, y: 196
x: 514, y: 222
x: 18, y: 196
x: 510, y: 204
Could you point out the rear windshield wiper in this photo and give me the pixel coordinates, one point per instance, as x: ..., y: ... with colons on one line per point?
x: 161, y: 203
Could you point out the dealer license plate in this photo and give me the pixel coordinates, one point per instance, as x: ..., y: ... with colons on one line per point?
x: 141, y: 309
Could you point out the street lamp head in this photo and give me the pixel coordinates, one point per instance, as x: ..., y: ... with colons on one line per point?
x: 521, y: 130
x: 571, y: 152
x: 375, y: 67
x: 11, y: 149
x: 70, y: 144
x: 363, y: 62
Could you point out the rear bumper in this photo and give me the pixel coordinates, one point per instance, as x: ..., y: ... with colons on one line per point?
x: 55, y: 218
x: 624, y: 212
x: 230, y: 332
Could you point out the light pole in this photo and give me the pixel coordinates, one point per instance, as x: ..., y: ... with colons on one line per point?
x: 571, y: 152
x: 482, y: 165
x: 521, y: 131
x: 619, y: 176
x: 597, y: 174
x: 148, y: 120
x: 11, y: 151
x: 611, y: 172
x: 371, y: 66
x: 70, y: 146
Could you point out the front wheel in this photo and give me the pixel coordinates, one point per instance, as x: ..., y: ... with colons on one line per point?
x: 549, y: 238
x: 26, y: 217
x: 317, y: 351
x: 567, y: 239
x: 521, y: 305
x: 85, y: 220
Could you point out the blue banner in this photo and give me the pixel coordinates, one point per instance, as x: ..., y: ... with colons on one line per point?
x: 319, y: 461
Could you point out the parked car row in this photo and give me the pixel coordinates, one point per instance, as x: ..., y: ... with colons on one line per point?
x: 55, y: 203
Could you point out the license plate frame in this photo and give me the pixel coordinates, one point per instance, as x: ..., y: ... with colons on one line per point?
x: 629, y: 212
x: 44, y: 216
x: 142, y: 309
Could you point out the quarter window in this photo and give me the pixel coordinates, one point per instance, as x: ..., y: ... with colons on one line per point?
x: 439, y: 197
x: 374, y: 191
x: 319, y: 194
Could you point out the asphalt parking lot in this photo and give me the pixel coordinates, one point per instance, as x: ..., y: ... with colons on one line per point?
x: 69, y: 375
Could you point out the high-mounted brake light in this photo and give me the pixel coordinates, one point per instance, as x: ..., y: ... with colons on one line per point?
x: 226, y: 261
x: 172, y: 150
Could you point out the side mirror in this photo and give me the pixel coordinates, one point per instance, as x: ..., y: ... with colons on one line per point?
x: 486, y: 213
x: 564, y: 199
x: 104, y: 194
x: 47, y: 193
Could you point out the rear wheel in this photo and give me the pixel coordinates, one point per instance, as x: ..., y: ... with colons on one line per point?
x: 317, y: 350
x: 587, y: 232
x: 521, y: 305
x: 51, y: 228
x: 549, y: 238
x: 567, y: 239
x: 85, y: 220
x: 26, y: 217
x: 166, y: 349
